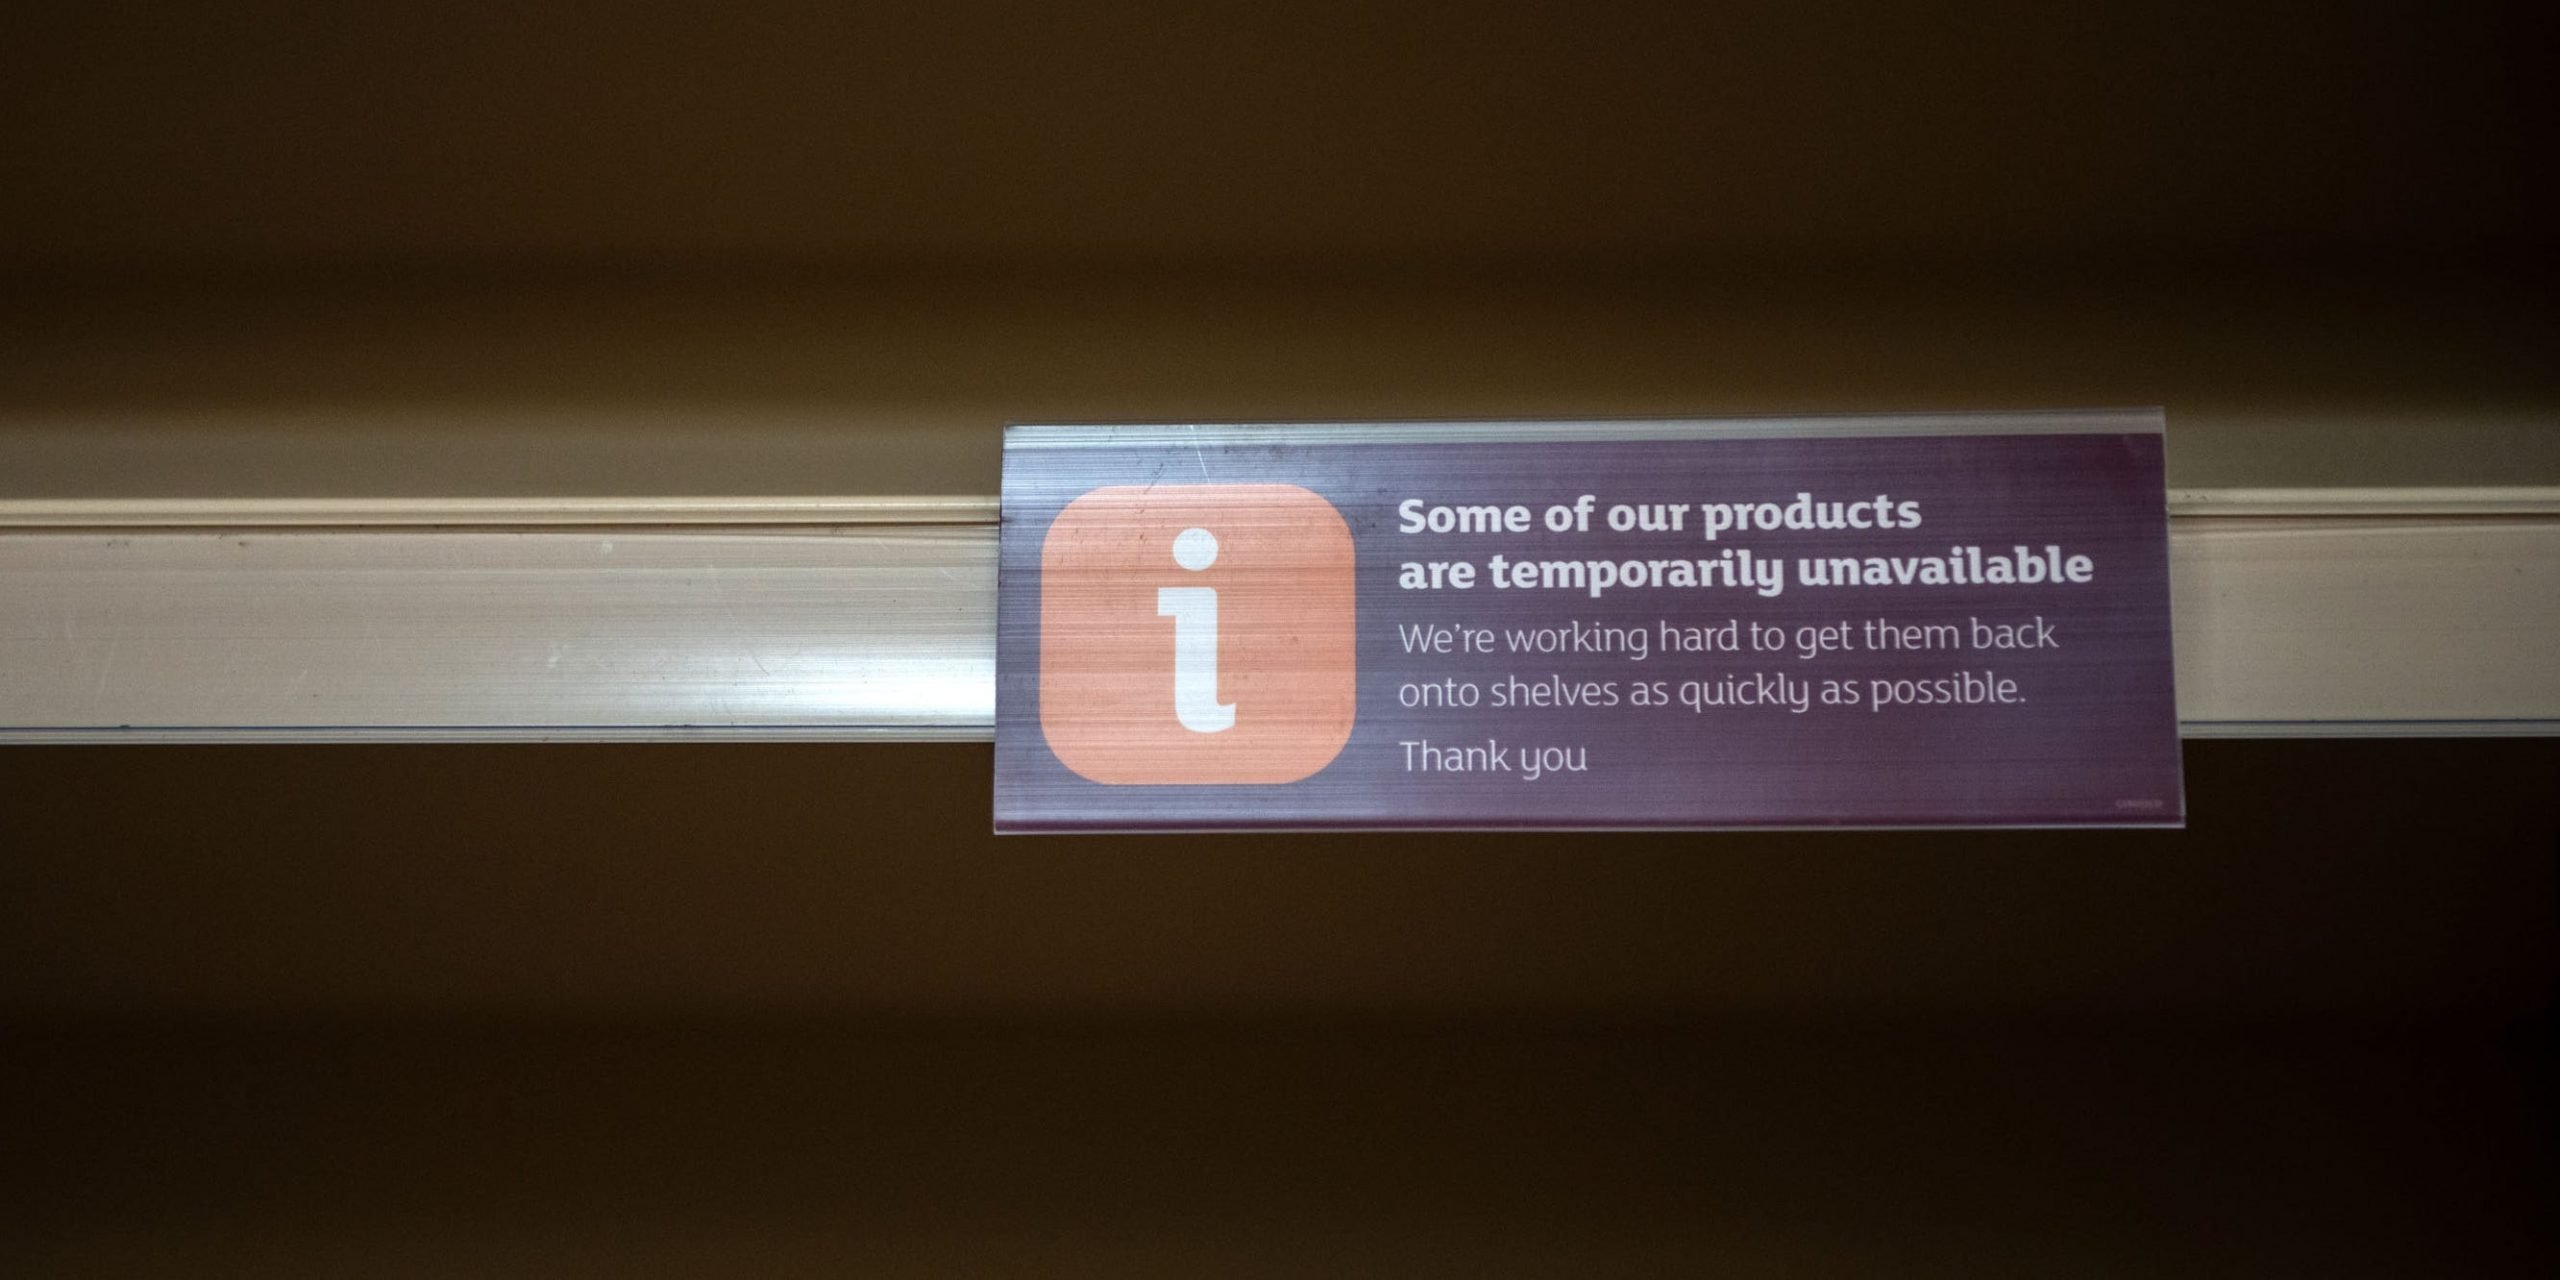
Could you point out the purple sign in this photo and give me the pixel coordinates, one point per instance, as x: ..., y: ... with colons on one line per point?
x: 1949, y: 620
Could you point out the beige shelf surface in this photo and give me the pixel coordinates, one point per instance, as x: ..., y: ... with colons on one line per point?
x: 2287, y: 624
x: 512, y: 505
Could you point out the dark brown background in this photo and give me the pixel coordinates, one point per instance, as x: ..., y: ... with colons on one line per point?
x: 793, y: 132
x: 2364, y: 884
x: 679, y: 1010
x: 675, y: 1010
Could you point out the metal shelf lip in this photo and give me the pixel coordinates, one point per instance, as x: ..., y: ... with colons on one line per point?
x: 2510, y: 500
x: 2488, y: 728
x: 429, y: 734
x: 2299, y: 613
x: 965, y: 509
x: 411, y: 513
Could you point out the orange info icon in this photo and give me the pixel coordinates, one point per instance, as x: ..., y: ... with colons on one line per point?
x: 1197, y: 634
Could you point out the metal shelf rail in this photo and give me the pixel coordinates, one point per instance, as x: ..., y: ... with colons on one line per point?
x: 2299, y: 613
